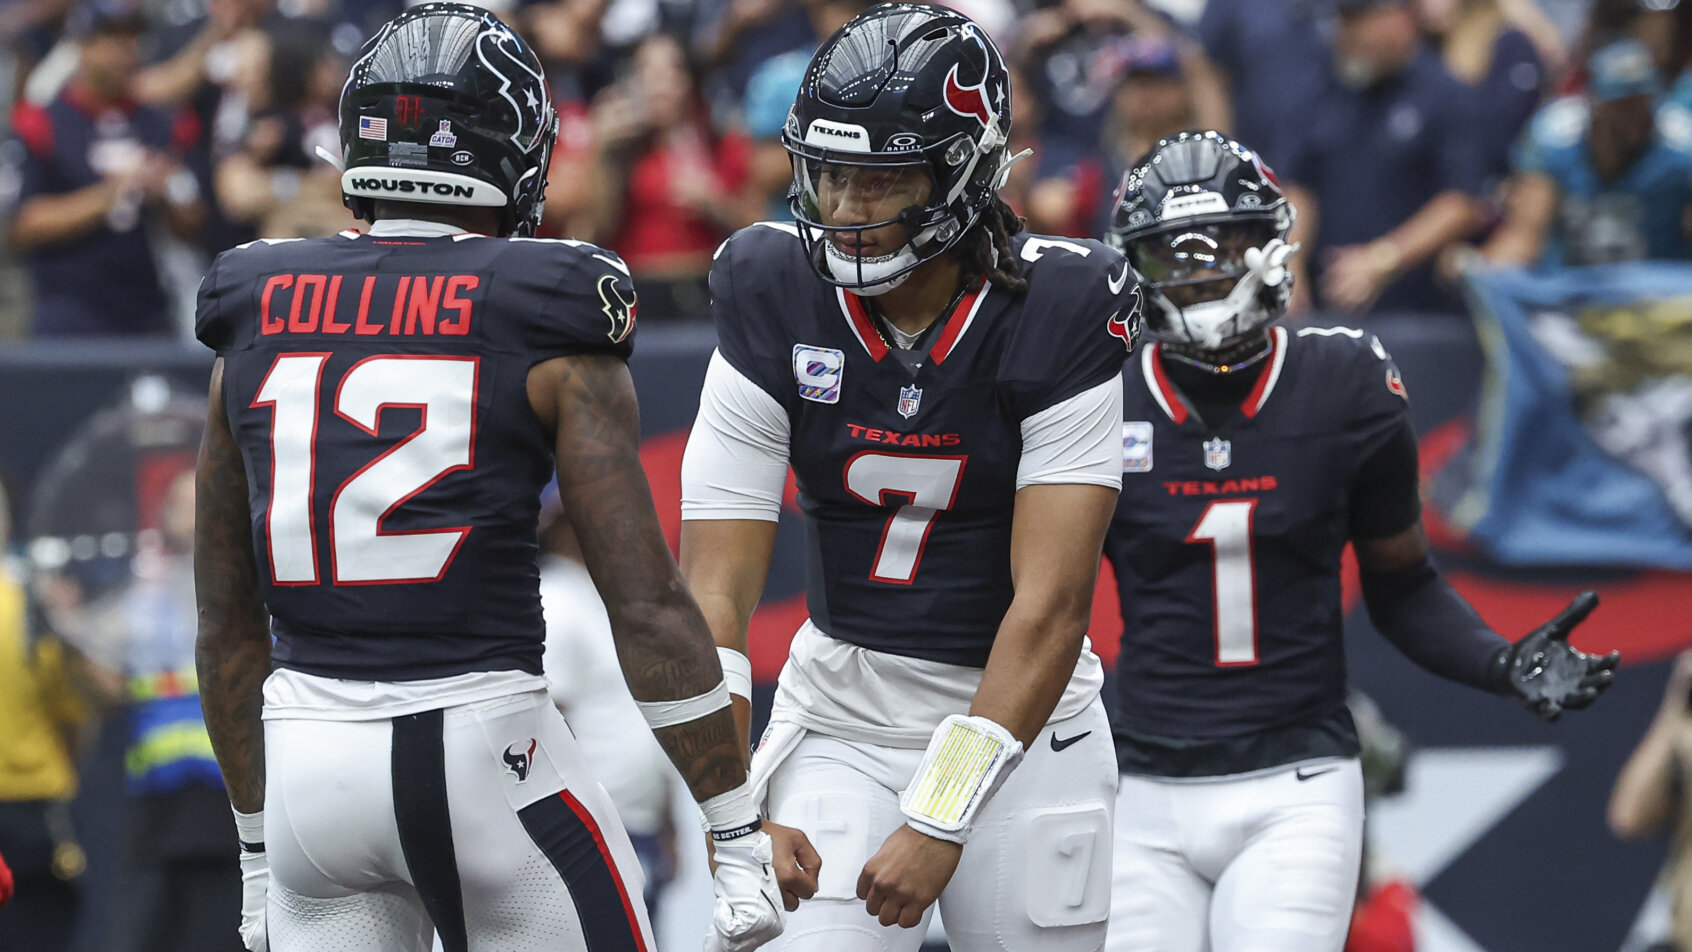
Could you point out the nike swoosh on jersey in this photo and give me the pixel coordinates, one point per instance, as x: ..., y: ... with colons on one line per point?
x: 1302, y: 776
x: 1117, y: 283
x: 1061, y: 744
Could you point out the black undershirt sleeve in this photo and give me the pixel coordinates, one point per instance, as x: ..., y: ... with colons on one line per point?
x: 1385, y: 496
x: 1414, y: 607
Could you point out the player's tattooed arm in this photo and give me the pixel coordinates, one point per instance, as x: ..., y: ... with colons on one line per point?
x: 725, y: 563
x: 663, y: 643
x: 232, y: 652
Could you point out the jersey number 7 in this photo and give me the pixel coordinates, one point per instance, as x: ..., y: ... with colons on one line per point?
x: 927, y: 483
x: 360, y: 551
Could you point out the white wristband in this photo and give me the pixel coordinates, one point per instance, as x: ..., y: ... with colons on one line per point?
x: 730, y: 816
x: 966, y: 761
x: 249, y: 829
x: 670, y: 713
x: 737, y: 672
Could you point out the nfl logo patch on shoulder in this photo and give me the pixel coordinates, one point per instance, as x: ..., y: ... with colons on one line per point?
x: 910, y: 400
x: 1218, y: 453
x: 818, y: 371
x: 1137, y: 446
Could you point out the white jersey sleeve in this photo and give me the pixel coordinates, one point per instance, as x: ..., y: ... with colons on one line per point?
x: 735, y: 465
x: 1076, y: 441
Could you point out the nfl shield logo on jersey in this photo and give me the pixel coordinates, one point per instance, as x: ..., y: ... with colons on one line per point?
x: 1137, y: 446
x: 817, y: 371
x: 1218, y: 453
x: 910, y: 400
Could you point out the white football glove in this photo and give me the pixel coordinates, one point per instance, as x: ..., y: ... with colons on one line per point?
x: 255, y: 881
x: 748, y: 911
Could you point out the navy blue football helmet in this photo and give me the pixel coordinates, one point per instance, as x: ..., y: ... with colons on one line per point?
x: 904, y: 90
x: 446, y: 104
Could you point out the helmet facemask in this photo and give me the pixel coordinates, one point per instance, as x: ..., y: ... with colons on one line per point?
x: 869, y: 220
x: 1192, y: 270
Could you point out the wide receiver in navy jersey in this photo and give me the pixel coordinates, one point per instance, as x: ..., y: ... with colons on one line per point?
x: 1251, y: 455
x: 947, y: 392
x: 385, y: 409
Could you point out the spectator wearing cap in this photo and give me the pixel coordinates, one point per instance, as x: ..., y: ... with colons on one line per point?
x: 1384, y: 168
x: 1601, y: 177
x: 1153, y: 100
x: 86, y: 175
x: 1274, y: 58
x: 1070, y: 56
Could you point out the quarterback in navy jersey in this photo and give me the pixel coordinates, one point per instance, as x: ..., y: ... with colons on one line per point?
x: 947, y: 393
x: 385, y: 409
x: 1252, y: 454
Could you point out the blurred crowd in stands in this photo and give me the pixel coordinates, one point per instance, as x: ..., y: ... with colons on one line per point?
x: 1421, y: 137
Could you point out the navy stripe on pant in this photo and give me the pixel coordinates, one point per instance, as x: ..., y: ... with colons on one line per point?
x: 425, y: 823
x: 571, y: 839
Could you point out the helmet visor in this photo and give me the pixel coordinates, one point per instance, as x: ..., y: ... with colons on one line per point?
x: 1190, y: 253
x: 860, y: 194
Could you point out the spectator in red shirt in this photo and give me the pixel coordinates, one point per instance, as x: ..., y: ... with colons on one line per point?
x: 667, y: 188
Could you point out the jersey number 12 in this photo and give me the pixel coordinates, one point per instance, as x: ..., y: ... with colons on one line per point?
x: 360, y: 551
x: 1226, y: 528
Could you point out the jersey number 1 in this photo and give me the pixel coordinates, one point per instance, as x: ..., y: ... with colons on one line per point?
x: 1226, y: 528
x: 360, y: 551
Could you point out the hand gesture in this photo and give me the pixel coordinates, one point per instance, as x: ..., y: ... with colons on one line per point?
x: 796, y: 864
x: 907, y: 875
x: 747, y: 913
x: 1547, y: 675
x: 1354, y: 277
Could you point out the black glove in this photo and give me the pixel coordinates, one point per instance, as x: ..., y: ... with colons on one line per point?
x: 1547, y: 675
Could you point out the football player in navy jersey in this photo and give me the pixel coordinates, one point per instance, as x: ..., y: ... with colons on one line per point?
x: 947, y: 392
x: 385, y: 408
x: 1252, y: 454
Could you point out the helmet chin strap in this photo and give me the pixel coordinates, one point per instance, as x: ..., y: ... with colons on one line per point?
x: 1231, y: 358
x: 848, y: 269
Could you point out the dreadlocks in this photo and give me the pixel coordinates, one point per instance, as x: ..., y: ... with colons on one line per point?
x: 985, y: 251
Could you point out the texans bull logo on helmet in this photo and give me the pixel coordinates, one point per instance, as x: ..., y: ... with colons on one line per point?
x: 973, y: 100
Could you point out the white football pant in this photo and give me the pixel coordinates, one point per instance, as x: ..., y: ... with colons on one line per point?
x: 1260, y: 863
x: 1035, y: 875
x: 479, y: 821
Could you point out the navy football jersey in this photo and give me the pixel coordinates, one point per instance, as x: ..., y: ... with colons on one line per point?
x: 1226, y: 544
x: 377, y: 389
x: 906, y: 461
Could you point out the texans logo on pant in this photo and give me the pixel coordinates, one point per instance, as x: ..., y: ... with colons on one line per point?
x: 519, y: 764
